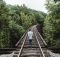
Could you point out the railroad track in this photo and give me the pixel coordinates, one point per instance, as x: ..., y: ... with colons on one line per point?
x: 37, y: 49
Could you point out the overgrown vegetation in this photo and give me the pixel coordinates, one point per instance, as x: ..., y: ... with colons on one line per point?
x: 52, y: 24
x: 14, y: 21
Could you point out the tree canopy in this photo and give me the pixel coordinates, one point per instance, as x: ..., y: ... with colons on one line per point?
x: 14, y: 21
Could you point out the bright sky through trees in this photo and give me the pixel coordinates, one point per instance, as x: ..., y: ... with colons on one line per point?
x: 33, y: 4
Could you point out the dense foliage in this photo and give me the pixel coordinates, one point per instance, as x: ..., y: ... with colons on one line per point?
x: 52, y: 24
x: 14, y: 21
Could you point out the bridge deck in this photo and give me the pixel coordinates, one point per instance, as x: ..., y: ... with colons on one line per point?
x: 37, y: 49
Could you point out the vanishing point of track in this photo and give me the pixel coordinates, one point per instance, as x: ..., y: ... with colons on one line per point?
x: 37, y: 49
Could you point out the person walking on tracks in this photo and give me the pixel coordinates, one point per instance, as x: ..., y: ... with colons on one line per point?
x: 30, y: 36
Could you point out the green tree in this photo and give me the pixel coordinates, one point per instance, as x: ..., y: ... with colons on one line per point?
x: 51, y: 24
x: 4, y: 33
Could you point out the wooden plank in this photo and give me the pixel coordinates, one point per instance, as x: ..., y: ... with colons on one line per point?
x: 30, y: 54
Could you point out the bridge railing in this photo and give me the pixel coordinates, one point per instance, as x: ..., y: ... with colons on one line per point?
x: 41, y: 37
x: 20, y: 39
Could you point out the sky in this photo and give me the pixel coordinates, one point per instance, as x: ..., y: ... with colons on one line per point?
x: 38, y: 5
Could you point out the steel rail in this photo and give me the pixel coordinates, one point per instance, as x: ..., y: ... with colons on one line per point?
x: 39, y: 46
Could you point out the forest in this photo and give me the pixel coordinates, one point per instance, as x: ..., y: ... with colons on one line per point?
x: 15, y: 20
